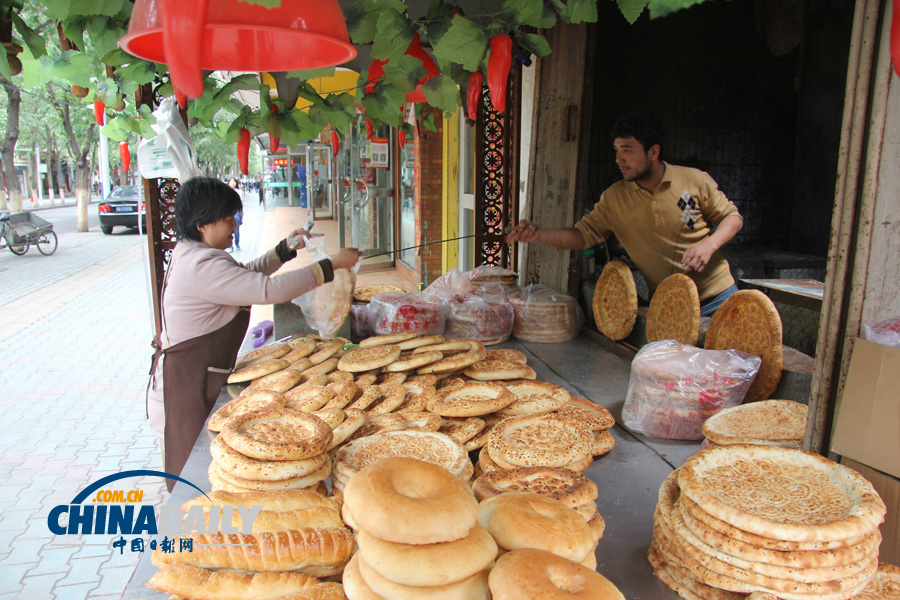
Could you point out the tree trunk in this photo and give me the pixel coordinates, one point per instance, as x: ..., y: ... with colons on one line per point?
x: 82, y: 192
x: 8, y: 147
x: 80, y: 157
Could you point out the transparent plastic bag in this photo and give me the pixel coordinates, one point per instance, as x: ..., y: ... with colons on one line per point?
x: 395, y: 312
x: 674, y: 388
x: 451, y: 284
x: 326, y: 307
x: 495, y: 292
x: 545, y: 315
x: 886, y: 332
x: 476, y: 318
x: 360, y: 326
x: 484, y: 274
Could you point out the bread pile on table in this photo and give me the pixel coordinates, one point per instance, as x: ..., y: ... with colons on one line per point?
x: 297, y: 538
x: 743, y: 519
x: 417, y: 534
x: 545, y: 315
x: 765, y: 423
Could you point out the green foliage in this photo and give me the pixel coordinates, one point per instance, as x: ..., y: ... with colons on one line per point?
x: 441, y: 92
x: 464, y: 43
x: 632, y: 9
x: 534, y: 43
x: 662, y: 8
x: 394, y: 35
x: 362, y: 18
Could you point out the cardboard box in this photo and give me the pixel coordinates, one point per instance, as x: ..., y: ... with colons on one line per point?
x: 867, y: 427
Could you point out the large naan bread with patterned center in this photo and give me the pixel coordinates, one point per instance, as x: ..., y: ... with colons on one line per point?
x: 767, y: 423
x: 675, y: 311
x: 543, y: 440
x: 615, y: 301
x: 749, y: 321
x: 781, y: 493
x: 429, y: 446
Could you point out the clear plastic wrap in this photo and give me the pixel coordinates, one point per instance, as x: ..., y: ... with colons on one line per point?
x: 452, y: 284
x: 886, y: 333
x: 326, y: 307
x: 486, y: 320
x: 394, y: 313
x: 545, y: 315
x: 490, y: 274
x: 674, y: 388
x: 495, y: 292
x: 360, y: 325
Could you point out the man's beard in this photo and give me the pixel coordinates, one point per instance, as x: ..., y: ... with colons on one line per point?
x: 640, y: 175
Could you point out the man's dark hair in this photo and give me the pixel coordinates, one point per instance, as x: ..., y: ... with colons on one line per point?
x: 643, y: 127
x: 201, y: 201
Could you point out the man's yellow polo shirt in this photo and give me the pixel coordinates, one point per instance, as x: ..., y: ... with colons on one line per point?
x: 651, y: 229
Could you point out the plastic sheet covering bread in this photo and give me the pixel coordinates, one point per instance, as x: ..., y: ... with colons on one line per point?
x: 403, y: 313
x: 886, y: 332
x: 487, y: 274
x: 486, y: 320
x: 545, y: 315
x: 674, y: 388
x: 452, y: 283
x: 360, y: 327
x: 326, y: 307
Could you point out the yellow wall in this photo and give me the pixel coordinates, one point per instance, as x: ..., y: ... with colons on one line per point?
x: 450, y: 185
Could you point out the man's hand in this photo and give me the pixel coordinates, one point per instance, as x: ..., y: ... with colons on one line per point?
x: 697, y: 256
x: 524, y: 232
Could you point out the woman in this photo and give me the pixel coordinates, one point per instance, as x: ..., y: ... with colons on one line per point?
x: 206, y: 302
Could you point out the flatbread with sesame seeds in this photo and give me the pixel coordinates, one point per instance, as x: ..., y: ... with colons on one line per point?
x: 368, y: 358
x: 470, y: 400
x: 364, y: 293
x: 674, y: 312
x: 615, y: 301
x: 748, y: 321
x: 258, y: 370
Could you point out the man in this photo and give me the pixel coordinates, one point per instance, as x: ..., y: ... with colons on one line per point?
x: 662, y: 214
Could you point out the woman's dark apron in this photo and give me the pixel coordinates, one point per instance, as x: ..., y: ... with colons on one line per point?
x: 194, y: 372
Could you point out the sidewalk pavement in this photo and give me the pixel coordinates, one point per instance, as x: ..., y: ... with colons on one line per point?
x: 75, y: 331
x: 42, y: 204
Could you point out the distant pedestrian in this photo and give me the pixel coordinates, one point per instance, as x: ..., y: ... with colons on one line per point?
x: 238, y: 217
x: 262, y: 193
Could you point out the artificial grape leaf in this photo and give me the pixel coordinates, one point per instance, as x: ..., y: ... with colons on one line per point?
x: 265, y: 3
x: 583, y: 11
x: 104, y: 34
x: 311, y: 73
x: 71, y: 66
x: 362, y: 18
x: 464, y: 43
x: 139, y: 71
x: 118, y: 57
x: 394, y: 33
x: 113, y: 129
x: 661, y: 8
x: 381, y: 108
x: 534, y: 43
x: 442, y: 92
x: 402, y: 76
x: 4, y: 69
x: 524, y: 12
x: 32, y: 39
x: 437, y: 22
x: 428, y: 123
x: 631, y: 9
x: 548, y: 18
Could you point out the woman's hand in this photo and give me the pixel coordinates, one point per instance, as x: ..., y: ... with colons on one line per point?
x: 346, y: 258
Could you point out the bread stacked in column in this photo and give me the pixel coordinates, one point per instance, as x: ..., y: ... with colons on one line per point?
x: 296, y: 537
x: 746, y: 518
x: 417, y: 534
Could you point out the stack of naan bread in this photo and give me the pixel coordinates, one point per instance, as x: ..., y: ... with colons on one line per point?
x: 545, y: 315
x: 765, y: 423
x: 745, y: 519
x: 297, y: 538
x: 417, y: 534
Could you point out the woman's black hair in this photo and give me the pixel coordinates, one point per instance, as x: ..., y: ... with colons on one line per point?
x: 201, y: 201
x: 644, y: 128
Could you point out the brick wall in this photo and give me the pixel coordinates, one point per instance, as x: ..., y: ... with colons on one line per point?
x: 429, y: 195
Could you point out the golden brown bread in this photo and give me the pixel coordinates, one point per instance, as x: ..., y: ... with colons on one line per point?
x: 194, y: 582
x: 267, y: 520
x: 311, y: 551
x: 277, y: 501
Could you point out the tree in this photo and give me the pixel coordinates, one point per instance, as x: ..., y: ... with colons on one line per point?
x: 8, y: 147
x: 80, y: 154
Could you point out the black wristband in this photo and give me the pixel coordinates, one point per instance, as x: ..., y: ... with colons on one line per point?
x: 327, y: 269
x: 283, y: 253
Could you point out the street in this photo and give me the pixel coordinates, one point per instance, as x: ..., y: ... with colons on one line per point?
x: 64, y: 219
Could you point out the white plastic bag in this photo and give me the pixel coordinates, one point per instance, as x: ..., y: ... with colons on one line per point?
x: 327, y: 306
x: 451, y: 284
x: 487, y: 320
x: 886, y: 333
x: 393, y: 312
x: 674, y: 388
x: 170, y: 153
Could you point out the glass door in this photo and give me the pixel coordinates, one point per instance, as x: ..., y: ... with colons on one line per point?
x: 320, y: 180
x: 409, y: 233
x: 368, y: 192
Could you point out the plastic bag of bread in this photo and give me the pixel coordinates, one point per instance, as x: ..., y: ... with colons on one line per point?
x: 495, y: 292
x: 545, y: 315
x: 886, y: 333
x: 394, y: 312
x: 451, y: 284
x: 489, y: 321
x: 360, y: 325
x: 674, y: 388
x: 491, y: 274
x: 326, y: 307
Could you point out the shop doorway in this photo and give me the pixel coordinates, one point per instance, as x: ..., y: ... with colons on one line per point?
x: 320, y: 180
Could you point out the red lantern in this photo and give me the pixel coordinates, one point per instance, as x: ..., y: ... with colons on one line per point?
x: 125, y: 155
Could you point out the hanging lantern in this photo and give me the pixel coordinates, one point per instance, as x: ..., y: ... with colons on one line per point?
x: 191, y: 36
x: 125, y: 155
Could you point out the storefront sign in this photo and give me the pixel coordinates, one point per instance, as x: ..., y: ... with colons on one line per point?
x: 379, y: 153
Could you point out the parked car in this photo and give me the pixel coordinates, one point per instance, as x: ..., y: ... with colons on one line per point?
x: 121, y: 208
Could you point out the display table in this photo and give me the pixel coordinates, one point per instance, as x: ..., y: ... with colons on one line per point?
x: 628, y: 477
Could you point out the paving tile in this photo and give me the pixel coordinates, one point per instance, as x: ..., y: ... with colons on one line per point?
x: 84, y: 570
x: 74, y: 592
x: 54, y: 560
x: 39, y: 586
